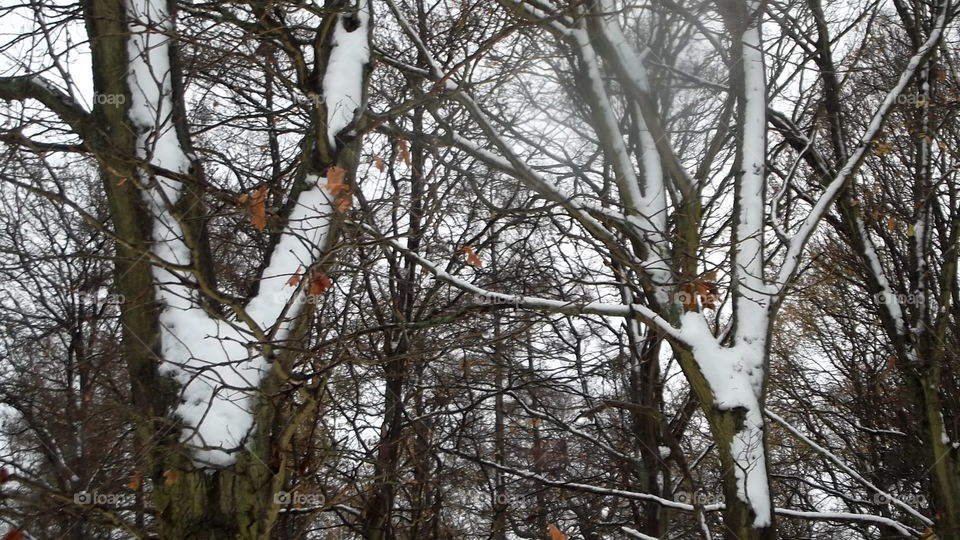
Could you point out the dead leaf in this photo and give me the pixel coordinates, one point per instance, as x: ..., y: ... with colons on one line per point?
x: 295, y: 278
x: 242, y: 198
x: 319, y: 283
x: 4, y: 475
x: 258, y: 208
x: 472, y: 258
x: 15, y: 534
x: 378, y: 163
x: 335, y: 184
x: 555, y: 533
x: 343, y: 203
x: 891, y: 223
x: 404, y: 152
x: 134, y: 482
x: 122, y: 181
x: 169, y: 477
x: 880, y: 149
x: 708, y: 293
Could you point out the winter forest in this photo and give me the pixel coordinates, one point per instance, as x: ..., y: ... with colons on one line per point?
x: 479, y: 269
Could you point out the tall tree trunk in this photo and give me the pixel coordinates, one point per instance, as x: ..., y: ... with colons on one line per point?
x: 237, y: 501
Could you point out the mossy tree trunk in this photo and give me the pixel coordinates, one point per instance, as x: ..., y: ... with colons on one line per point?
x: 237, y: 501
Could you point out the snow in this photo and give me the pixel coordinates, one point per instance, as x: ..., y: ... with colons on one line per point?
x: 648, y: 200
x: 735, y: 375
x: 633, y: 533
x: 343, y: 80
x: 751, y: 303
x: 218, y: 363
x: 299, y: 247
x: 843, y: 516
x: 886, y: 295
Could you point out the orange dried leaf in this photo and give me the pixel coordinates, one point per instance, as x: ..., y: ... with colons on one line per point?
x: 708, y: 293
x: 378, y: 163
x: 242, y: 198
x: 134, y: 482
x: 15, y: 534
x: 343, y: 203
x: 122, y: 181
x: 472, y: 258
x: 891, y: 223
x: 319, y: 283
x: 169, y: 477
x: 258, y: 208
x: 555, y: 533
x: 335, y: 184
x: 404, y: 151
x: 688, y: 297
x: 294, y: 279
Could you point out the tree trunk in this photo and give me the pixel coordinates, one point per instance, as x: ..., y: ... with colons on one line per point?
x: 237, y: 501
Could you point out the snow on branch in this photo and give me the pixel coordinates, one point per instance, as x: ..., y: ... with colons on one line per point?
x: 856, y: 476
x: 644, y: 313
x: 845, y: 174
x: 343, y: 79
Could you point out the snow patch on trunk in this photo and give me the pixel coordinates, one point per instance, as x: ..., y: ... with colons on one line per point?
x: 343, y: 80
x: 735, y: 375
x: 217, y: 362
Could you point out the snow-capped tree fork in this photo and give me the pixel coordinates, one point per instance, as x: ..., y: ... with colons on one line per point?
x: 155, y: 186
x: 726, y: 372
x: 916, y: 328
x: 737, y: 427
